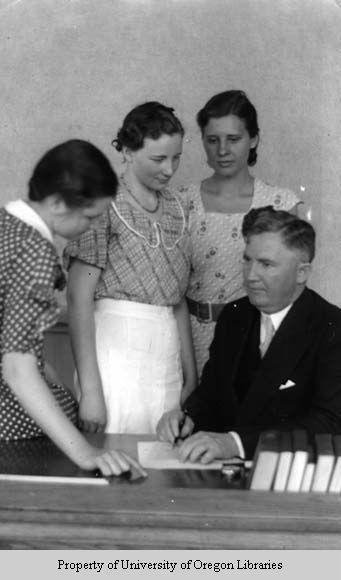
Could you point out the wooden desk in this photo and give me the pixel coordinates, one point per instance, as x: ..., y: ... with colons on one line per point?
x: 167, y: 510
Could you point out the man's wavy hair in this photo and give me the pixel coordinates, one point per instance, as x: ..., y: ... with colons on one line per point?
x: 297, y: 234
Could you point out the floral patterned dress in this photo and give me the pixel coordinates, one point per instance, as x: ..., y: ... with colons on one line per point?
x: 216, y: 256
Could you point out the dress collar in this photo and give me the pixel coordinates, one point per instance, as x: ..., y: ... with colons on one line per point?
x: 20, y: 209
x: 168, y: 230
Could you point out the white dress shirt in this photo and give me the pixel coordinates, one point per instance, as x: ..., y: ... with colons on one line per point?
x: 276, y: 319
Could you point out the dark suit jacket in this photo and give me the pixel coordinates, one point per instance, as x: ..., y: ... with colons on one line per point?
x: 305, y: 350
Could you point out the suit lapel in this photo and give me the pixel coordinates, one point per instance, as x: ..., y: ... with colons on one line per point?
x: 245, y: 315
x: 286, y: 348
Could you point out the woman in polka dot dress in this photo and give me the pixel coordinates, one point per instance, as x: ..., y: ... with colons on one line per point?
x: 72, y: 184
x: 230, y: 134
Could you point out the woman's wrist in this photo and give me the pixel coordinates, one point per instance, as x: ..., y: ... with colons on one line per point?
x: 91, y: 386
x: 81, y: 451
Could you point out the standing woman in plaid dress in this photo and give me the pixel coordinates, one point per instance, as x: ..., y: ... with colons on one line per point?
x: 128, y: 275
x: 71, y: 185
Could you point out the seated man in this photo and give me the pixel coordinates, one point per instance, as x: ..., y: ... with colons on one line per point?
x: 275, y: 360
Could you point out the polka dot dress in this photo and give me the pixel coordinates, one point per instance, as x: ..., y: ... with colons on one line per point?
x: 29, y: 274
x: 38, y: 456
x: 216, y: 260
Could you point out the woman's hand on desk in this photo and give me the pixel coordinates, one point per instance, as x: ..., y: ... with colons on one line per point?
x: 92, y: 412
x: 174, y: 425
x: 111, y: 462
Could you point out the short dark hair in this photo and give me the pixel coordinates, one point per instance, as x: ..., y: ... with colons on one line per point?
x: 236, y: 103
x: 75, y: 170
x: 296, y: 233
x: 151, y: 119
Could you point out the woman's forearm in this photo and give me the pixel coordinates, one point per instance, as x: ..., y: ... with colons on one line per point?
x: 187, y: 351
x: 81, y: 286
x: 20, y: 371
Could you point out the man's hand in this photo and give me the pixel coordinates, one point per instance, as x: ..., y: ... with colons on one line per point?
x: 174, y: 425
x: 205, y: 446
x: 92, y: 413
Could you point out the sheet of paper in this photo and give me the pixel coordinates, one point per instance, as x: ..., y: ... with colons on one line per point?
x: 160, y: 455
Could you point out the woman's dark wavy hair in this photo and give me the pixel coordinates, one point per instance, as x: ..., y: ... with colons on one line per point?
x: 232, y: 103
x: 75, y: 170
x: 296, y: 233
x: 151, y: 119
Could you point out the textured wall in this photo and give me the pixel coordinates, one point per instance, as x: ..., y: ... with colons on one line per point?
x: 73, y: 68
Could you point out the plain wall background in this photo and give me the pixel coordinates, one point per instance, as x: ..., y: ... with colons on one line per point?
x: 74, y: 68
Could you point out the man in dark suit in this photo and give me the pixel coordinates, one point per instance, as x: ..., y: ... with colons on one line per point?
x: 275, y: 360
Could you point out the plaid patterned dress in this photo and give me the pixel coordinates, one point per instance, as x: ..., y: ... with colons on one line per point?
x: 29, y: 274
x: 141, y: 261
x: 144, y: 272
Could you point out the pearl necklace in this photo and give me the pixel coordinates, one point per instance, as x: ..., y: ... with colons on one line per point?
x: 138, y: 201
x: 157, y: 228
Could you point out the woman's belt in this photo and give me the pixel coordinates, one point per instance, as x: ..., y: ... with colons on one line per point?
x: 204, y: 311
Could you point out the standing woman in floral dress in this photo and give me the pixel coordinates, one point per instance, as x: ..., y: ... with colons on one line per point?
x: 217, y: 205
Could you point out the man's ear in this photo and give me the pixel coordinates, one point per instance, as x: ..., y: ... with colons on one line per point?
x: 303, y: 272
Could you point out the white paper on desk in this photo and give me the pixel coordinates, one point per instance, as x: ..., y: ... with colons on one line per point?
x: 160, y: 455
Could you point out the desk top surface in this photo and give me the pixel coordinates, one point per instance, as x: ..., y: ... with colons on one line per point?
x: 199, y: 505
x: 41, y: 458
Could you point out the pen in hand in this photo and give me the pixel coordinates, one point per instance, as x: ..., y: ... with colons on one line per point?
x: 181, y: 424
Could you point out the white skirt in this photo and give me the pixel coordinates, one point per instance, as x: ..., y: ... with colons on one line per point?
x: 139, y: 359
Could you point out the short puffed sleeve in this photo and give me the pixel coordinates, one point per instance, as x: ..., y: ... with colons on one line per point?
x: 280, y: 199
x: 30, y: 305
x: 92, y: 246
